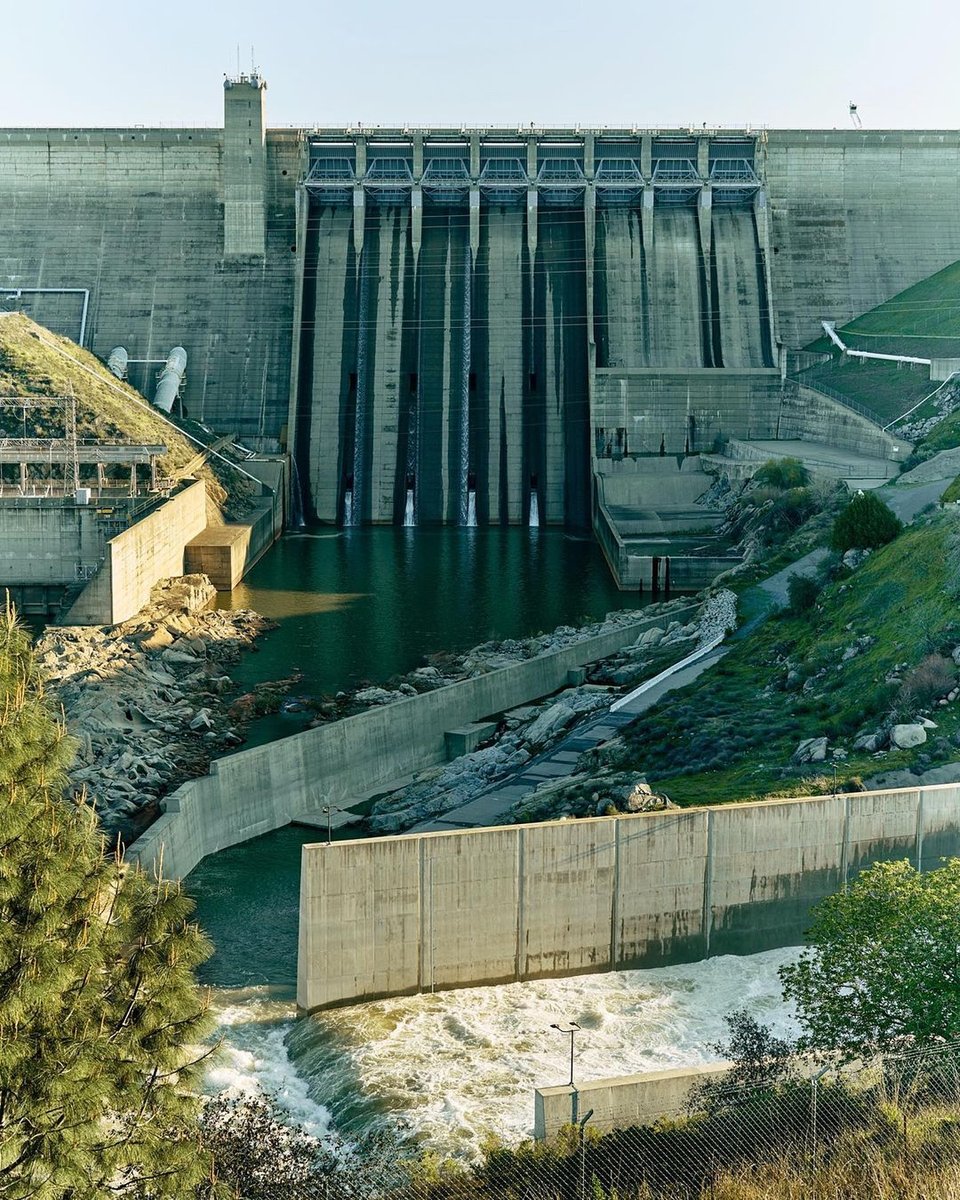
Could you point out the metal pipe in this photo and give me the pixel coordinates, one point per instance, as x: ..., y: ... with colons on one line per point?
x: 171, y: 377
x: 834, y: 337
x: 85, y: 292
x: 117, y: 361
x: 132, y: 397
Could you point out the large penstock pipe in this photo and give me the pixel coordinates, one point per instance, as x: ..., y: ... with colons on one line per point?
x: 170, y: 379
x: 117, y: 362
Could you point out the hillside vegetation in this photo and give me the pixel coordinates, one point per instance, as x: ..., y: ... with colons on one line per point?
x: 922, y: 321
x: 36, y: 362
x: 873, y: 649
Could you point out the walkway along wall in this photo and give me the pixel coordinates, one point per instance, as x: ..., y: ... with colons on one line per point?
x: 396, y: 916
x: 254, y: 791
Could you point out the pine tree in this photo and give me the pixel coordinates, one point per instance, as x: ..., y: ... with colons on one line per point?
x: 98, y: 1001
x: 865, y: 523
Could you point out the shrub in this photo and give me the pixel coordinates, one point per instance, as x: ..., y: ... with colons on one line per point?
x: 782, y: 473
x: 927, y: 681
x: 791, y: 509
x: 865, y: 523
x: 802, y: 592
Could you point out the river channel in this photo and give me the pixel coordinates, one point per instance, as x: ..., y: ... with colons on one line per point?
x: 362, y: 606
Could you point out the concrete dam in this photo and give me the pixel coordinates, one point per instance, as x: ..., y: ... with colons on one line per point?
x: 471, y: 326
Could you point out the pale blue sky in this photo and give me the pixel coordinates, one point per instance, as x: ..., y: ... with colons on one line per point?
x: 103, y: 62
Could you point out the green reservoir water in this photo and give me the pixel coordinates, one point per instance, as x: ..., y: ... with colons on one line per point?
x: 367, y: 604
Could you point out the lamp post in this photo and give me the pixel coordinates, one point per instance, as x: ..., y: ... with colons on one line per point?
x: 571, y: 1028
x: 329, y: 810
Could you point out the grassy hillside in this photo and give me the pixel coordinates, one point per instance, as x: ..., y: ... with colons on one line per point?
x: 923, y: 321
x: 842, y: 668
x: 35, y: 362
x: 886, y: 390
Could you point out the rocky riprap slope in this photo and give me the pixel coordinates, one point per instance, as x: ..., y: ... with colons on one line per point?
x: 524, y: 732
x: 149, y: 700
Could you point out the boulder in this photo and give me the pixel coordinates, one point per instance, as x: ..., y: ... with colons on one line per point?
x: 642, y: 798
x: 556, y: 717
x: 650, y: 637
x: 905, y: 737
x: 870, y: 742
x: 374, y: 695
x: 179, y: 658
x: 811, y: 750
x: 156, y: 639
x: 202, y: 720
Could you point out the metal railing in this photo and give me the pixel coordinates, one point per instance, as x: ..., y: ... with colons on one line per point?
x: 832, y: 394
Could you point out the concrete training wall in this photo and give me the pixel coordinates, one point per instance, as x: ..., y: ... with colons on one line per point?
x: 150, y: 550
x: 396, y: 916
x: 254, y: 791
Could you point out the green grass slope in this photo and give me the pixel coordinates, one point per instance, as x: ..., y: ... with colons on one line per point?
x: 36, y: 362
x: 731, y: 735
x: 923, y: 322
x: 885, y: 390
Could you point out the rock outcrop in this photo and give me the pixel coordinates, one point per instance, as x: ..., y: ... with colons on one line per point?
x: 149, y: 700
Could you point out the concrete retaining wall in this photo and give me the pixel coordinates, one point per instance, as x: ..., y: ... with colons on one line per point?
x: 619, y: 1102
x: 809, y: 415
x: 45, y: 541
x: 255, y: 791
x: 136, y: 559
x: 396, y: 916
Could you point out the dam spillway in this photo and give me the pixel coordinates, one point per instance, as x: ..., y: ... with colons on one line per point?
x: 474, y: 319
x: 444, y: 369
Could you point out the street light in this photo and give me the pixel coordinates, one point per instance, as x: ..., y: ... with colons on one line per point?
x: 572, y: 1028
x: 329, y: 810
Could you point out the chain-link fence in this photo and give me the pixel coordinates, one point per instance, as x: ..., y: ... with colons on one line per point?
x: 885, y: 1127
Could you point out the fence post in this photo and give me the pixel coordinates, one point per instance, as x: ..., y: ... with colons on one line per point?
x: 814, y: 1084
